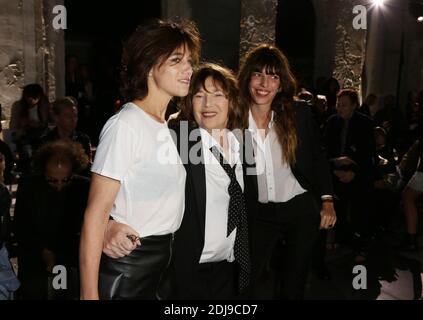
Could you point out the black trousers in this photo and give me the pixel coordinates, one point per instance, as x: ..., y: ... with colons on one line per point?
x: 354, y: 210
x: 212, y: 281
x: 282, y: 239
x: 144, y: 269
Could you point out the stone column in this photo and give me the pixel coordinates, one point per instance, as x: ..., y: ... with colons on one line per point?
x: 57, y: 43
x: 350, y: 45
x: 16, y: 38
x: 385, y: 42
x: 29, y: 37
x: 258, y: 20
x: 340, y: 49
x: 31, y: 51
x: 51, y: 52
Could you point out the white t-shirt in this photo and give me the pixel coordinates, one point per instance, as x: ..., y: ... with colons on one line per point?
x: 151, y: 197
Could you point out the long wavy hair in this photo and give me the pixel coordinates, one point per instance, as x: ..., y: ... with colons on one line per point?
x: 273, y: 61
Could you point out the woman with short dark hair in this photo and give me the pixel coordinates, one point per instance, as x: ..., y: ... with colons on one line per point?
x: 129, y: 181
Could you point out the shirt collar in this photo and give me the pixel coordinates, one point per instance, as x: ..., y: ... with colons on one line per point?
x: 255, y: 131
x: 252, y: 126
x: 209, y: 142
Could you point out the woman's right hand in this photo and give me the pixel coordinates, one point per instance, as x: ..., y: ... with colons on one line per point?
x: 116, y: 241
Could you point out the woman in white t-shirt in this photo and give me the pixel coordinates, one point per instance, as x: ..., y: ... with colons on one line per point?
x: 130, y: 181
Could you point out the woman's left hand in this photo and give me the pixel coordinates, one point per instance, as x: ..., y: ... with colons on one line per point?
x: 327, y: 216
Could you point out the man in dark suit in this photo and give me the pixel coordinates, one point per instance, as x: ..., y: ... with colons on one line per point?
x: 65, y: 114
x: 350, y: 146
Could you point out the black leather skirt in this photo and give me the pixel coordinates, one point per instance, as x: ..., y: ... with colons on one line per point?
x: 143, y: 272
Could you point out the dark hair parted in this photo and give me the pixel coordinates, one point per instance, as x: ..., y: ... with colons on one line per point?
x: 273, y: 61
x: 226, y: 80
x: 35, y: 91
x: 61, y: 151
x: 350, y: 93
x: 151, y: 44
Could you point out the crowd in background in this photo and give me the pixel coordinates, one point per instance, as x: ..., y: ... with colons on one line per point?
x: 374, y: 150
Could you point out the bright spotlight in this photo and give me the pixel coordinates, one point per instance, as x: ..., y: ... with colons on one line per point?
x: 378, y: 3
x: 420, y: 19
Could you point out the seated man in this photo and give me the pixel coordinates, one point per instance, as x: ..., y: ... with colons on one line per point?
x: 65, y: 113
x: 48, y: 216
x: 351, y: 148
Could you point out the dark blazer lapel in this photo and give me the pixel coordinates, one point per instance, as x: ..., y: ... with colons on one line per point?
x: 198, y: 176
